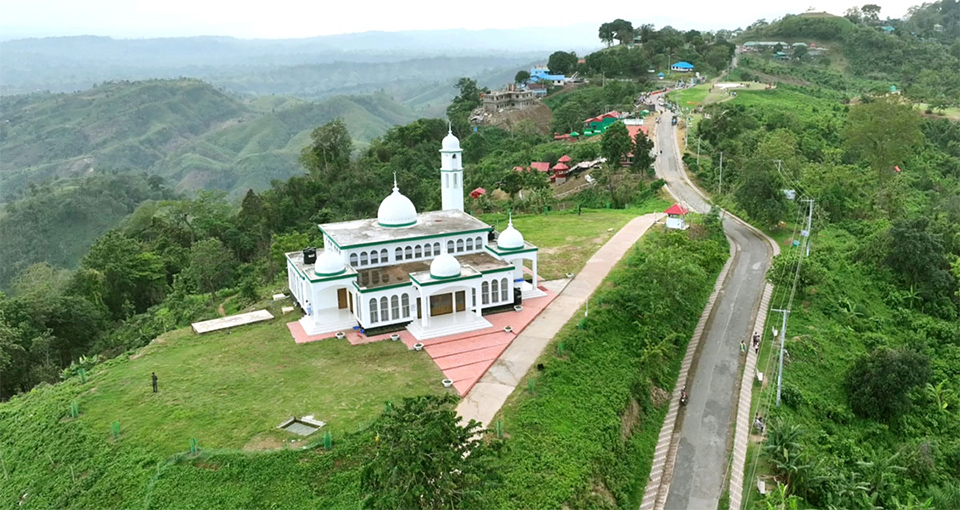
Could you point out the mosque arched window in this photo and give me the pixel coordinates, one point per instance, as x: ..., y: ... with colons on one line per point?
x: 495, y: 291
x: 384, y: 308
x: 479, y: 242
x: 485, y: 292
x: 373, y: 310
x: 469, y: 244
x: 436, y: 249
x: 408, y: 253
x: 459, y: 245
x: 363, y: 258
x: 398, y: 255
x: 353, y: 259
x: 374, y: 257
x: 418, y: 251
x: 504, y: 290
x: 449, y: 246
x: 394, y: 308
x: 383, y: 256
x: 405, y: 305
x: 427, y: 250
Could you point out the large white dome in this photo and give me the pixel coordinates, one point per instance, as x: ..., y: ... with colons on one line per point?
x: 510, y: 238
x: 450, y: 142
x: 445, y: 266
x: 396, y: 210
x: 328, y: 264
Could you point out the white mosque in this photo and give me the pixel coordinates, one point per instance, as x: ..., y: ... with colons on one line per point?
x: 434, y: 272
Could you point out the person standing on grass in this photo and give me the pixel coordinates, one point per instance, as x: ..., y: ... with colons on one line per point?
x: 153, y: 377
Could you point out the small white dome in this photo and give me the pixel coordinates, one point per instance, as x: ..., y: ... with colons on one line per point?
x: 328, y: 264
x: 445, y: 266
x: 510, y: 238
x: 396, y: 210
x: 450, y: 142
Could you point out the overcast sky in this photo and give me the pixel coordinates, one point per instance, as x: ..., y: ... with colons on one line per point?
x: 306, y: 18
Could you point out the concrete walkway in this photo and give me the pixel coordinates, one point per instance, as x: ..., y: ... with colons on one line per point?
x: 744, y: 421
x: 489, y: 394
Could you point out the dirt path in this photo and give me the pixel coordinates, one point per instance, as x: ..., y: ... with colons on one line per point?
x: 220, y: 309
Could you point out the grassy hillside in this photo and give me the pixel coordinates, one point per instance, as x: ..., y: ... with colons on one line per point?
x: 185, y: 130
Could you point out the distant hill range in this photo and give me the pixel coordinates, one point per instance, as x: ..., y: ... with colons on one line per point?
x: 311, y: 68
x: 185, y: 130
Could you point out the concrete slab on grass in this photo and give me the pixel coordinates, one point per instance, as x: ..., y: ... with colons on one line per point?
x: 232, y: 321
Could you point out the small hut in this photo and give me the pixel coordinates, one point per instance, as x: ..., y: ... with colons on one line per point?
x: 675, y: 217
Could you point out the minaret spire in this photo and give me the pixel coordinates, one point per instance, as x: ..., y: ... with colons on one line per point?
x: 395, y: 188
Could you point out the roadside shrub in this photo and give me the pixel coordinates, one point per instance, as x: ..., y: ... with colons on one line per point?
x: 880, y: 382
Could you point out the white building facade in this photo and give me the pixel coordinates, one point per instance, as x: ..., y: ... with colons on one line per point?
x: 433, y: 273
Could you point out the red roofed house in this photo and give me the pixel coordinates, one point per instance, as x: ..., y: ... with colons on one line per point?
x: 564, y: 159
x: 559, y: 173
x: 540, y: 166
x: 634, y: 129
x: 477, y: 193
x: 675, y: 215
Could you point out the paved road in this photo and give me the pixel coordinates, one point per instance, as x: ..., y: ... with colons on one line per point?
x: 489, y: 394
x: 702, y: 455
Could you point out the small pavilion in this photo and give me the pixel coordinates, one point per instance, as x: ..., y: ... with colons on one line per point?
x: 675, y: 217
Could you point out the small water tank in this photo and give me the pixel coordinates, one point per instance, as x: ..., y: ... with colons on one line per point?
x: 492, y: 236
x: 309, y: 255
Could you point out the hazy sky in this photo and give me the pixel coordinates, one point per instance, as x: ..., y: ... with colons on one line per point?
x: 305, y: 18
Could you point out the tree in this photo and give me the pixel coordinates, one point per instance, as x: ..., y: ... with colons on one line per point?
x: 211, y: 266
x: 642, y: 152
x: 623, y: 31
x: 329, y: 149
x: 615, y: 144
x: 469, y: 99
x: 800, y: 52
x: 871, y: 13
x: 760, y: 192
x: 918, y: 257
x: 131, y: 277
x: 561, y: 62
x: 879, y: 383
x: 568, y: 117
x: 606, y: 33
x: 777, y: 47
x: 521, y: 76
x: 425, y: 459
x: 11, y: 355
x: 884, y: 133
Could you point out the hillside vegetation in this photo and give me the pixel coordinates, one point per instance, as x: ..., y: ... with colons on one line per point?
x: 869, y: 415
x: 184, y: 130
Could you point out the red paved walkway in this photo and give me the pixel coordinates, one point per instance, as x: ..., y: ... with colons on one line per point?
x: 464, y: 357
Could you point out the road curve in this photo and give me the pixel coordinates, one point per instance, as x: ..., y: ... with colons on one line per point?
x: 700, y: 466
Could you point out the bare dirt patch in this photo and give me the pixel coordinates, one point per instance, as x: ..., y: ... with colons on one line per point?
x: 263, y: 443
x: 630, y: 416
x: 659, y: 396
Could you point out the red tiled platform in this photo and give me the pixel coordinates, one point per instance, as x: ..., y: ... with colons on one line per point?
x: 463, y: 357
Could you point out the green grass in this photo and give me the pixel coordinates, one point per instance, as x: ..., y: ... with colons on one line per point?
x: 231, y: 389
x: 691, y: 97
x: 567, y: 240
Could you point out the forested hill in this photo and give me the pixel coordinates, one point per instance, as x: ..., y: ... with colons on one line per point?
x: 184, y: 130
x: 918, y: 55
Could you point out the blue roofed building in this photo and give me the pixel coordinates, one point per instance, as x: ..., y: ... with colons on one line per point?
x: 542, y: 75
x: 682, y: 67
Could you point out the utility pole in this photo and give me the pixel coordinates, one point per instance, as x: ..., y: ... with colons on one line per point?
x: 783, y: 338
x: 806, y: 233
x: 720, y: 188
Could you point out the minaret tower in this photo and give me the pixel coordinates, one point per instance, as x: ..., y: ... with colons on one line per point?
x: 451, y: 172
